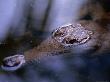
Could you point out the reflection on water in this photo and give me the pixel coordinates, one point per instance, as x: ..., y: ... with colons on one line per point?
x: 26, y: 23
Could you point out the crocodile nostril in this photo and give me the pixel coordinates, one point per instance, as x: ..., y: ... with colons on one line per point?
x: 12, y: 64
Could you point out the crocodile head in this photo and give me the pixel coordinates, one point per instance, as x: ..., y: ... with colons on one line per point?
x: 73, y: 34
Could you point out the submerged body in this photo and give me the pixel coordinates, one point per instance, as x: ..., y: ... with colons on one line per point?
x: 80, y: 38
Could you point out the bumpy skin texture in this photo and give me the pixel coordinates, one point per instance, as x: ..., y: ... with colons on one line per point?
x: 73, y: 34
x: 84, y: 37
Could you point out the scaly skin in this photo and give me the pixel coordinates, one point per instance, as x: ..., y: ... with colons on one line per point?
x: 86, y: 36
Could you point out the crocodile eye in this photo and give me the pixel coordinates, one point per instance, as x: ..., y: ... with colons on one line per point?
x: 69, y: 41
x: 72, y: 41
x: 74, y: 34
